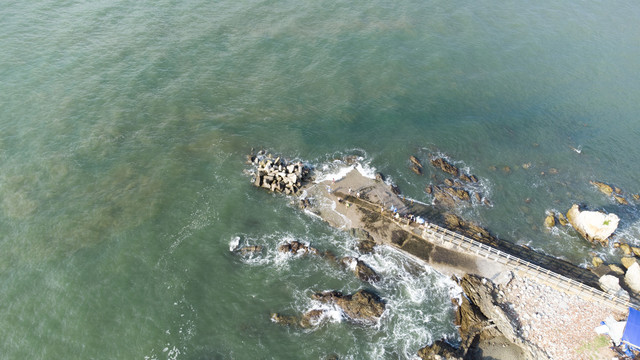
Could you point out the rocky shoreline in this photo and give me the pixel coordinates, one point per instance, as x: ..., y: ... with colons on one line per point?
x: 491, y: 320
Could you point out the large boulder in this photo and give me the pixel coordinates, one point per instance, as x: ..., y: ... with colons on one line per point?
x: 363, y: 306
x: 632, y: 277
x: 594, y: 226
x: 609, y: 284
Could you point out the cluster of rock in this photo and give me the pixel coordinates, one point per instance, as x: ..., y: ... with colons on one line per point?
x: 619, y: 279
x: 362, y: 307
x: 483, y: 319
x: 613, y: 191
x: 278, y: 175
x: 450, y: 191
x: 595, y: 226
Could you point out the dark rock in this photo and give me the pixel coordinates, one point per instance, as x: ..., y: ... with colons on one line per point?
x: 363, y: 306
x: 445, y: 166
x: 438, y: 350
x: 366, y: 246
x: 464, y: 177
x: 448, y: 182
x: 295, y: 246
x: 365, y: 273
x: 473, y: 178
x: 416, y: 169
x: 636, y: 197
x: 478, y: 197
x: 379, y: 176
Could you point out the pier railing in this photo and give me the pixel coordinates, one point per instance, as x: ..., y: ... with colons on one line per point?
x: 447, y: 238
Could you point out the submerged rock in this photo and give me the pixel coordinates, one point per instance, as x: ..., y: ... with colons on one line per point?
x: 415, y: 161
x: 604, y: 188
x: 594, y: 226
x: 251, y: 249
x: 306, y: 320
x: 363, y: 306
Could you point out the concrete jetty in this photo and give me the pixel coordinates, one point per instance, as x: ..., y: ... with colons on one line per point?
x: 359, y: 202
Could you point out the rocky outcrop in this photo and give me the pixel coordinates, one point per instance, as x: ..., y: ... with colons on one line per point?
x: 366, y: 243
x: 278, y: 175
x: 439, y: 350
x: 363, y: 306
x: 250, y: 249
x: 306, y: 320
x: 296, y: 247
x: 594, y: 226
x: 550, y: 221
x: 445, y: 166
x: 481, y: 320
x: 361, y: 269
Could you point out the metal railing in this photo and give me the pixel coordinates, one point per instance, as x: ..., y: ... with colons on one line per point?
x: 434, y: 233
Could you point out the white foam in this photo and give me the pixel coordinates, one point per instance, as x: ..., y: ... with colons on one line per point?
x: 234, y: 243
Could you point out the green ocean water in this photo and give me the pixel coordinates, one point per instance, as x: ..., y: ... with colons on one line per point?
x: 124, y: 128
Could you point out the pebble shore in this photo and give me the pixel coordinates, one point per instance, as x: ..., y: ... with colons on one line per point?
x: 561, y: 324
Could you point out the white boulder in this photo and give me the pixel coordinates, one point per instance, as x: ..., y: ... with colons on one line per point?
x: 632, y: 277
x: 593, y: 225
x: 609, y: 284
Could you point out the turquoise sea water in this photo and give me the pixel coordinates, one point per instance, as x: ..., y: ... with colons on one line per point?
x: 124, y: 126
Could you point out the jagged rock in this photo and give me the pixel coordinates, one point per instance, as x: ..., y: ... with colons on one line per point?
x: 473, y: 178
x: 627, y: 261
x: 429, y: 189
x: 550, y: 221
x: 632, y: 277
x: 620, y: 200
x: 366, y: 243
x: 415, y: 161
x: 366, y: 246
x: 465, y: 177
x: 288, y: 320
x: 458, y: 193
x: 416, y: 169
x: 440, y: 349
x: 617, y: 190
x: 362, y: 270
x: 296, y: 246
x: 307, y: 320
x: 604, y: 188
x: 478, y: 197
x: 480, y: 318
x: 635, y: 197
x: 609, y: 284
x: 363, y: 306
x: 448, y: 182
x: 635, y: 251
x: 379, y: 176
x: 596, y: 261
x: 616, y: 269
x: 593, y: 225
x: 445, y: 166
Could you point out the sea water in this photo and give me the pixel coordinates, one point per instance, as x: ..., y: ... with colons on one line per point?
x: 124, y: 127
